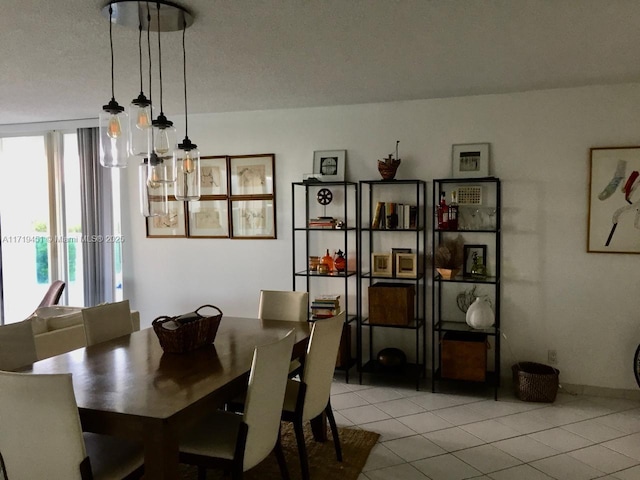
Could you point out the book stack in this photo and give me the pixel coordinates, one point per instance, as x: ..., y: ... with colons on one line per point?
x: 322, y: 222
x: 392, y: 216
x: 325, y: 306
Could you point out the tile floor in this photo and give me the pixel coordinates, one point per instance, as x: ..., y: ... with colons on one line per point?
x: 456, y: 436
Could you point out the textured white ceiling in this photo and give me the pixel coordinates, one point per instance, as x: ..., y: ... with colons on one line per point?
x: 264, y: 54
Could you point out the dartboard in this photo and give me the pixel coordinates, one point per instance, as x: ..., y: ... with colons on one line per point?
x: 324, y: 196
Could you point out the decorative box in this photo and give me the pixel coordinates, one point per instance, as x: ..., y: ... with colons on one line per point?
x: 464, y: 356
x: 391, y: 303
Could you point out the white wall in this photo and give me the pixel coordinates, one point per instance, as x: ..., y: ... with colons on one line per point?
x: 555, y: 295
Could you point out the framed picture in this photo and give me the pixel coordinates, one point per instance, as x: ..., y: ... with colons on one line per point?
x: 614, y: 200
x: 381, y: 264
x: 470, y: 160
x: 406, y: 265
x: 253, y: 219
x: 213, y: 175
x: 330, y: 164
x: 171, y: 225
x: 252, y: 174
x: 394, y: 256
x: 474, y: 255
x: 208, y: 219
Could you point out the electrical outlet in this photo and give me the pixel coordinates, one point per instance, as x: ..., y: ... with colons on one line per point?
x: 552, y: 357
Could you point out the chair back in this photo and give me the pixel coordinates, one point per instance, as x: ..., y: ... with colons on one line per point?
x: 41, y: 435
x: 104, y: 322
x: 17, y: 346
x: 320, y: 363
x: 265, y: 396
x: 53, y: 294
x: 283, y: 305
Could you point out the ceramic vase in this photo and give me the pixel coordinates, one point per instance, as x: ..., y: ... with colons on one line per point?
x: 480, y: 314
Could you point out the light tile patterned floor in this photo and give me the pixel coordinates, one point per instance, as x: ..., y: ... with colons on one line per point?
x: 456, y: 436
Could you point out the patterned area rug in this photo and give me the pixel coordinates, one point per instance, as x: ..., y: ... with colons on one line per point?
x: 356, y: 445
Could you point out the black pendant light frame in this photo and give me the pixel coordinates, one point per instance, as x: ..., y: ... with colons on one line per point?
x: 186, y: 144
x: 112, y: 107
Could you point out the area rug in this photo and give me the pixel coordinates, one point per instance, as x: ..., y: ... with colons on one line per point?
x: 356, y: 445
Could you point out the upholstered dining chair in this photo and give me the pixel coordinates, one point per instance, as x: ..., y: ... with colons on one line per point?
x: 41, y: 435
x: 107, y: 321
x: 238, y: 442
x: 285, y: 305
x: 17, y: 346
x: 53, y: 294
x: 310, y: 397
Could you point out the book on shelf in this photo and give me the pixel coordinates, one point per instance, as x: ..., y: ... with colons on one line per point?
x: 322, y: 222
x: 325, y: 306
x: 378, y: 215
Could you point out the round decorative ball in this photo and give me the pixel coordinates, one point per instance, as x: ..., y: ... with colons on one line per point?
x: 392, y: 357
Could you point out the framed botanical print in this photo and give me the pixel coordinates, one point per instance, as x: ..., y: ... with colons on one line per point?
x: 170, y: 225
x: 208, y: 219
x: 252, y: 174
x: 253, y: 218
x: 213, y: 175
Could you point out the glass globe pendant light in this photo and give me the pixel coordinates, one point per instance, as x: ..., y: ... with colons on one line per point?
x: 186, y: 157
x: 162, y: 168
x: 113, y: 124
x: 154, y: 200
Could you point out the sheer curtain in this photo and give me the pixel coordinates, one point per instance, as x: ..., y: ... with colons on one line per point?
x: 97, y: 221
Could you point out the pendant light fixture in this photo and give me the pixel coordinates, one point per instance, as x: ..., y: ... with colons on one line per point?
x: 162, y: 168
x: 186, y: 157
x: 113, y: 123
x: 140, y: 113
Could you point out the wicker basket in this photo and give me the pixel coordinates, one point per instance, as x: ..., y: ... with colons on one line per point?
x: 535, y: 382
x: 188, y: 332
x: 388, y: 170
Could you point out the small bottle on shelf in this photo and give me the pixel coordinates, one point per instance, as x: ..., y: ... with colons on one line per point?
x: 443, y: 213
x: 453, y: 211
x: 328, y: 261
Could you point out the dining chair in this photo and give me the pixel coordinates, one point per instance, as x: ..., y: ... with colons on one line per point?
x: 41, y: 434
x: 285, y: 305
x: 107, y: 321
x: 309, y: 397
x: 17, y: 346
x: 53, y: 294
x: 238, y: 442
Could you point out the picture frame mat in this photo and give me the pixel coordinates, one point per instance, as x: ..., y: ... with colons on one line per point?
x: 208, y: 218
x: 213, y: 175
x: 253, y: 219
x: 252, y: 174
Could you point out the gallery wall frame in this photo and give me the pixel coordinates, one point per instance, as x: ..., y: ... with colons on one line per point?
x: 613, y: 223
x: 213, y: 175
x: 251, y: 174
x: 470, y: 160
x: 172, y: 225
x: 208, y: 218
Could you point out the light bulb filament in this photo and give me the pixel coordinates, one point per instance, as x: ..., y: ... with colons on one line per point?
x: 144, y: 121
x: 188, y: 165
x: 114, y: 130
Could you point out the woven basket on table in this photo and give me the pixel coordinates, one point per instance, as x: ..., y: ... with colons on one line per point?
x: 535, y: 382
x: 193, y: 331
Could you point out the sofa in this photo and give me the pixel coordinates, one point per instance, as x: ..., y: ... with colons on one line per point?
x: 59, y: 329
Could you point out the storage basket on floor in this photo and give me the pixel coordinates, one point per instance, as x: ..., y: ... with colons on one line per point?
x: 535, y: 382
x: 187, y: 332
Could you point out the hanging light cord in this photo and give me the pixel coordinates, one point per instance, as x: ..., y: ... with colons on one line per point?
x: 113, y: 95
x: 140, y: 52
x: 160, y: 60
x: 149, y: 54
x: 184, y: 73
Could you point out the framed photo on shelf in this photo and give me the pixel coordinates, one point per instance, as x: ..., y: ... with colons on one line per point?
x: 470, y: 160
x: 330, y: 164
x: 253, y: 219
x: 213, y: 175
x: 406, y: 265
x: 172, y: 225
x: 252, y: 174
x: 208, y: 219
x: 474, y: 254
x: 614, y: 200
x: 381, y: 264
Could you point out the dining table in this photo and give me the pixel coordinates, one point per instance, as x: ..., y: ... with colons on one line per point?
x: 130, y: 387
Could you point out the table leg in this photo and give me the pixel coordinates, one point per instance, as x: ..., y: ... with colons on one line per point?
x: 160, y: 451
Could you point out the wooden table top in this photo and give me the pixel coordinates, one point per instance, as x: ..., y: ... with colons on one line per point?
x: 132, y: 376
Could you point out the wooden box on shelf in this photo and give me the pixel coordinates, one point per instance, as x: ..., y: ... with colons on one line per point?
x: 464, y: 356
x: 391, y: 303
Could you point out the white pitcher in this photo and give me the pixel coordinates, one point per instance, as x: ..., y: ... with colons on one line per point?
x: 480, y: 314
